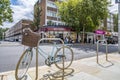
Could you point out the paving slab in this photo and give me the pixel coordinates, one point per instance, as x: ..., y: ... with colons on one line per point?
x: 84, y: 69
x: 83, y: 76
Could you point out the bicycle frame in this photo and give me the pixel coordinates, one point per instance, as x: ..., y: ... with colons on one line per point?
x: 43, y: 53
x: 46, y: 55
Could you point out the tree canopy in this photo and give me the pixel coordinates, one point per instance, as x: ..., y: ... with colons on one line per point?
x: 81, y: 14
x: 115, y: 22
x: 5, y: 11
x: 37, y: 16
x: 2, y: 32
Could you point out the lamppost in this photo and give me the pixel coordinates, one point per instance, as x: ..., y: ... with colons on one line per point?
x: 119, y: 26
x: 118, y: 1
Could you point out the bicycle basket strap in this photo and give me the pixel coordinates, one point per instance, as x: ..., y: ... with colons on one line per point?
x: 30, y: 38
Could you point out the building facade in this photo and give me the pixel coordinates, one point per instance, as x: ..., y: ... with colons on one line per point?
x: 50, y: 21
x: 49, y: 13
x: 59, y: 32
x: 110, y: 24
x: 15, y: 32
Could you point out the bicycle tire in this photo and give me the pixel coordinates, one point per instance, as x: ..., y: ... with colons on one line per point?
x: 68, y: 57
x: 26, y: 56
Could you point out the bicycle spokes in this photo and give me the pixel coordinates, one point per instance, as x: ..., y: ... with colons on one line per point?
x: 23, y: 64
x: 63, y: 56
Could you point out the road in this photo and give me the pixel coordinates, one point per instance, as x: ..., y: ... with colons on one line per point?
x: 9, y: 55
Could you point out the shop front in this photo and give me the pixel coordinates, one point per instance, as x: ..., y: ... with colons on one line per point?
x: 58, y: 32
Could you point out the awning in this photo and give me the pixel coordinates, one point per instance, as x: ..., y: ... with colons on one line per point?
x: 108, y: 33
x: 99, y: 32
x: 55, y: 29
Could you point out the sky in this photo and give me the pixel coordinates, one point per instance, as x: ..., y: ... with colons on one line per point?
x: 114, y: 7
x: 23, y: 9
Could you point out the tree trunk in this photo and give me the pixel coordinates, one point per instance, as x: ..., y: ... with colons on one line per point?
x: 83, y: 34
x: 77, y: 37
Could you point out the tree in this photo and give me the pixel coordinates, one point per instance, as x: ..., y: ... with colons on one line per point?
x: 5, y: 11
x: 83, y: 15
x: 2, y: 32
x: 49, y: 23
x: 115, y: 22
x: 37, y: 16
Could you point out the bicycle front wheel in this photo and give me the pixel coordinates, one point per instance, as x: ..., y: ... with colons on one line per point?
x: 23, y: 64
x: 63, y: 57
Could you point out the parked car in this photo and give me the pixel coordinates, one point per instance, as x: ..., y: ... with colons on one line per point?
x: 113, y: 40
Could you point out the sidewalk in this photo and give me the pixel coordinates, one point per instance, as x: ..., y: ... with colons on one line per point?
x: 84, y: 69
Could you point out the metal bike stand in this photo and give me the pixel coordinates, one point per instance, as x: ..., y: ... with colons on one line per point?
x: 37, y: 55
x: 36, y: 64
x: 98, y: 49
x: 2, y: 77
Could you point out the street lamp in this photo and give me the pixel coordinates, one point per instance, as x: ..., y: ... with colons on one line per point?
x: 118, y: 1
x: 119, y: 26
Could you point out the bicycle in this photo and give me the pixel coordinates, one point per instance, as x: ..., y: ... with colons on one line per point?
x: 59, y: 57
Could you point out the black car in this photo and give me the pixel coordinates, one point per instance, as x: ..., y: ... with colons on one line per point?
x: 112, y: 40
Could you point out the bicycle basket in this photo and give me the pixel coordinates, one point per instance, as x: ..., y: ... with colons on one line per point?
x: 30, y: 38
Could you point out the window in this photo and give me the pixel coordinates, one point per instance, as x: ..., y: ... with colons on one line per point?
x: 51, y: 4
x: 51, y: 13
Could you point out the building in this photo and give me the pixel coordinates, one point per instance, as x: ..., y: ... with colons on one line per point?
x: 15, y: 32
x: 50, y: 21
x: 59, y: 32
x: 110, y: 24
x: 49, y: 12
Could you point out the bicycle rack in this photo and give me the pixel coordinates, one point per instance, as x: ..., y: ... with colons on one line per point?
x: 104, y: 41
x: 97, y: 58
x: 37, y: 55
x: 2, y: 77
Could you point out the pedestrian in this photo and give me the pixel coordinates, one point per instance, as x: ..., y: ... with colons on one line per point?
x: 66, y: 40
x: 89, y: 40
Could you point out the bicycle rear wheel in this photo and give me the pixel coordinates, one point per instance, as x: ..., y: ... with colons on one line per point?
x: 23, y: 64
x: 64, y: 54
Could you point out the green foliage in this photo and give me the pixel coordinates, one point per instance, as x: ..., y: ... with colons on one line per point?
x: 2, y: 31
x: 37, y: 14
x: 49, y: 23
x: 115, y: 22
x: 5, y: 11
x: 81, y: 14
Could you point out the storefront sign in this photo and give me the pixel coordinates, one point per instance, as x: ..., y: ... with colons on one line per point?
x: 59, y: 29
x: 55, y: 29
x: 100, y: 32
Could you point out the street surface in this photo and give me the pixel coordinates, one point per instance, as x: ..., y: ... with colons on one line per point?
x: 9, y: 55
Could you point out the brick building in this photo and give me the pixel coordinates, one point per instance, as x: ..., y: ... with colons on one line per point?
x: 50, y: 22
x: 49, y: 12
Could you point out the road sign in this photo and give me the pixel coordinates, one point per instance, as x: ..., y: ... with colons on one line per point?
x: 117, y: 1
